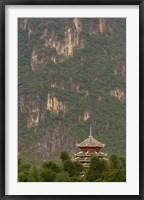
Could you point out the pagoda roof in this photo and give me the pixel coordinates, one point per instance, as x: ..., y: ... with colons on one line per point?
x: 90, y: 142
x: 88, y: 154
x: 102, y: 154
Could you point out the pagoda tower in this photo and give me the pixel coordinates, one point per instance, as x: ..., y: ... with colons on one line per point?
x: 88, y: 147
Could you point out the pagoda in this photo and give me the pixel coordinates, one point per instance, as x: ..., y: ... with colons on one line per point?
x: 88, y: 147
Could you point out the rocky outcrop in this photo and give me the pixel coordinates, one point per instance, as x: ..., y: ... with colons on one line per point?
x: 36, y: 111
x: 69, y: 87
x: 102, y: 25
x: 34, y: 118
x: 118, y: 93
x: 86, y: 116
x: 21, y: 104
x: 71, y: 38
x: 64, y: 48
x: 78, y: 25
x: 23, y: 24
x: 77, y: 88
x: 56, y: 85
x: 54, y: 105
x: 35, y: 61
x: 31, y: 106
x: 53, y: 142
x: 120, y: 69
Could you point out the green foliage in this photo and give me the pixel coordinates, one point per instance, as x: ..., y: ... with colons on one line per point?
x: 51, y: 165
x: 95, y: 169
x: 70, y: 171
x: 76, y: 179
x: 22, y: 177
x: 47, y: 175
x: 117, y: 175
x: 62, y: 177
x: 78, y: 168
x: 106, y: 171
x: 64, y: 156
x: 73, y: 168
x: 25, y: 167
x: 34, y: 175
x: 114, y: 161
x: 96, y: 68
x: 69, y: 167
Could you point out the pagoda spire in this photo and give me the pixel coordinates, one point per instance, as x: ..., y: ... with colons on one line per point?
x: 90, y: 131
x: 88, y: 147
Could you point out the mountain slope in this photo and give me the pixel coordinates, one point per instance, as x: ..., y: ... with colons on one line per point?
x: 72, y: 73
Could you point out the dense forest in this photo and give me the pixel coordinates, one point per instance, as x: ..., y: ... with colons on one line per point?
x: 71, y: 74
x: 68, y: 170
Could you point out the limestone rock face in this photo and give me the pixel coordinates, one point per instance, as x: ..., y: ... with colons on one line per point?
x: 63, y: 47
x: 86, y: 115
x: 23, y: 24
x: 77, y: 88
x: 55, y: 106
x: 53, y: 142
x: 78, y: 25
x: 33, y: 119
x: 36, y: 61
x: 71, y: 73
x: 31, y: 106
x: 102, y: 24
x: 120, y: 69
x: 118, y: 93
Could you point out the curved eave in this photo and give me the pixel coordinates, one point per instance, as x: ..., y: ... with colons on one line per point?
x: 85, y: 146
x: 90, y: 142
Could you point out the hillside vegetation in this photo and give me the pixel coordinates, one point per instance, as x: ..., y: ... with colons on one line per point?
x: 68, y: 170
x: 71, y: 74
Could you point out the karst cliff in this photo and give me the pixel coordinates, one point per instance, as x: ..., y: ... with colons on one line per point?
x: 71, y: 73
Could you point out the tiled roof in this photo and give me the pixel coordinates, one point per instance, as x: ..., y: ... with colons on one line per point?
x: 88, y: 154
x: 90, y: 142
